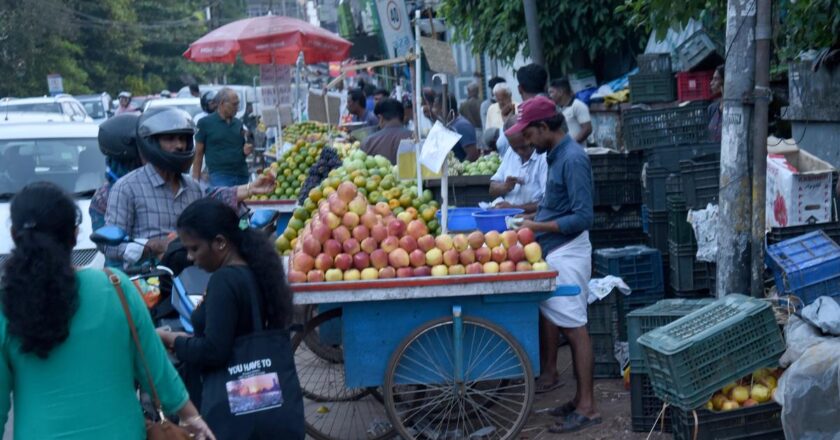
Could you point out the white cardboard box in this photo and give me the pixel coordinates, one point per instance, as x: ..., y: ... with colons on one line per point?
x: 800, y: 196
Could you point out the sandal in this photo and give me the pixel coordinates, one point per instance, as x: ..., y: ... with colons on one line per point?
x: 542, y: 388
x: 574, y: 422
x: 563, y: 410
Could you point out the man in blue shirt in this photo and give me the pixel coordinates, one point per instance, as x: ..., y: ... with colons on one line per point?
x: 466, y: 149
x: 561, y: 225
x: 357, y: 107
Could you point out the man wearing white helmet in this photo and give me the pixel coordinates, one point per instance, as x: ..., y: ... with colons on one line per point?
x: 125, y: 104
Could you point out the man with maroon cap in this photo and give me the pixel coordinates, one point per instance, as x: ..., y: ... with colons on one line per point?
x: 561, y: 225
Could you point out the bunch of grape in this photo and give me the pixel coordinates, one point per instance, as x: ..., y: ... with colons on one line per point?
x: 327, y: 161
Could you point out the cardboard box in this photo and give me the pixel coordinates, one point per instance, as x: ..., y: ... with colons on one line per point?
x: 798, y: 191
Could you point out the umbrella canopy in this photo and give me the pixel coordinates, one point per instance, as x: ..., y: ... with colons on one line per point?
x: 256, y: 39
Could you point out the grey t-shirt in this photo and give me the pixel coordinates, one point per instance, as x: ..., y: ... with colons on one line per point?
x: 386, y: 141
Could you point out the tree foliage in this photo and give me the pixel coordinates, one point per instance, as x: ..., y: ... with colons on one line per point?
x: 569, y: 29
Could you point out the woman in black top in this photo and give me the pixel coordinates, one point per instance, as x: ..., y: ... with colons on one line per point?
x: 245, y: 268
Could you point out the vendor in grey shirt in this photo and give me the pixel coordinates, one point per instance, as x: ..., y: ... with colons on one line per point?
x: 386, y: 141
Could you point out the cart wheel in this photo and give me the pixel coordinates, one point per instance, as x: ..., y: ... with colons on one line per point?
x: 424, y: 400
x: 325, y: 351
x: 333, y: 411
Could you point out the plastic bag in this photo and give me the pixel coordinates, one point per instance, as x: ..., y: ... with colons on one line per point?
x: 705, y: 225
x: 799, y: 337
x: 825, y: 314
x: 809, y: 392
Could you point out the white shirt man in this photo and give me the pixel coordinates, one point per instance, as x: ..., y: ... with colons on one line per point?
x: 520, y: 179
x: 578, y: 121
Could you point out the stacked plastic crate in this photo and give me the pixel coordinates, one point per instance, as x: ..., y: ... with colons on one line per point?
x: 617, y: 200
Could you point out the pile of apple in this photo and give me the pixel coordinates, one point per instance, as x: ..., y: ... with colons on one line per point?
x: 349, y: 239
x: 752, y: 390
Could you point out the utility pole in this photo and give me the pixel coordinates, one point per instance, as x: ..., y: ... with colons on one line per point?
x: 759, y: 151
x: 532, y: 23
x: 735, y: 224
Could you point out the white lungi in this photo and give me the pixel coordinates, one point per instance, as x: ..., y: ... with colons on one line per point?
x: 573, y: 263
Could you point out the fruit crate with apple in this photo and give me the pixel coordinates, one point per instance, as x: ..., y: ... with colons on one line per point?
x: 639, y: 266
x: 701, y: 352
x: 807, y: 266
x: 656, y: 315
x: 645, y: 407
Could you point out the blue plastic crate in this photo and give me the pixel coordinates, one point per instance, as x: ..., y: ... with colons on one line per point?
x: 639, y: 266
x: 807, y: 266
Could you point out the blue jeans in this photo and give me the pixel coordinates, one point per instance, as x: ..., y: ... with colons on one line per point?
x: 221, y: 179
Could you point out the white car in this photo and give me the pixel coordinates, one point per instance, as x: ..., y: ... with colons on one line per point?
x: 66, y: 154
x: 66, y: 106
x: 189, y: 105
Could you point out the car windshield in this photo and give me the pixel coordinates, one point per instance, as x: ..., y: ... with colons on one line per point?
x: 189, y: 108
x: 76, y: 165
x: 43, y: 107
x: 95, y: 109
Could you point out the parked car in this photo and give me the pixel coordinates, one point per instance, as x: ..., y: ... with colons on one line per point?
x: 62, y: 104
x: 98, y: 106
x: 246, y: 94
x: 189, y: 105
x: 19, y: 117
x: 64, y: 153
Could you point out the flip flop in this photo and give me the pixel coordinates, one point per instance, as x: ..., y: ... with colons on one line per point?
x: 563, y: 410
x: 574, y: 422
x: 542, y: 388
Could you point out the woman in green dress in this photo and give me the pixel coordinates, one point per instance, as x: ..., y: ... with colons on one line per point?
x: 68, y: 360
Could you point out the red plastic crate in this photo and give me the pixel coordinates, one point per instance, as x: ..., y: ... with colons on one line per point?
x: 694, y: 86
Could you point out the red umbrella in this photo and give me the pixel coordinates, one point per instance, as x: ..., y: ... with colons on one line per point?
x: 257, y: 39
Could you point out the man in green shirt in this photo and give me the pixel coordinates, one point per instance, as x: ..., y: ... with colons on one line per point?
x: 221, y: 139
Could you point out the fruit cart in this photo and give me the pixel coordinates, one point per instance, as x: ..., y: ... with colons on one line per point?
x: 430, y: 357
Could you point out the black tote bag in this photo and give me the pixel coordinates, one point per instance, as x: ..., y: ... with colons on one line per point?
x: 257, y: 396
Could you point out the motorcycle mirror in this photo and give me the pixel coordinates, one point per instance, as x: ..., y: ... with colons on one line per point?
x: 262, y: 217
x: 109, y: 235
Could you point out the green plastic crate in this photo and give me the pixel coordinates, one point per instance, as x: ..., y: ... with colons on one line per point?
x: 692, y: 357
x: 652, y: 317
x: 601, y: 316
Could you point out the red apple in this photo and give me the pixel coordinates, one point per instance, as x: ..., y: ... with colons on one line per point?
x: 296, y: 276
x: 507, y: 266
x: 498, y: 254
x: 396, y: 228
x: 379, y: 232
x: 405, y: 272
x: 476, y: 239
x: 303, y: 262
x: 343, y: 262
x: 493, y: 239
x: 426, y: 243
x: 451, y: 257
x: 408, y: 243
x: 524, y: 266
x: 475, y: 269
x: 417, y: 258
x: 459, y: 242
x: 483, y: 255
x: 321, y: 232
x: 369, y: 219
x: 515, y: 253
x: 369, y: 245
x: 387, y: 272
x: 311, y: 246
x: 360, y: 233
x: 467, y: 256
x: 443, y: 242
x: 315, y: 276
x: 491, y: 267
x: 338, y: 207
x: 423, y: 271
x: 351, y: 246
x: 389, y: 244
x: 382, y: 209
x: 379, y: 258
x: 350, y: 219
x: 361, y: 260
x: 434, y: 257
x: 509, y: 238
x: 526, y: 236
x: 533, y: 252
x: 346, y: 191
x: 358, y: 205
x: 417, y: 229
x: 341, y: 234
x: 323, y: 262
x: 457, y: 270
x: 332, y: 248
x: 398, y: 258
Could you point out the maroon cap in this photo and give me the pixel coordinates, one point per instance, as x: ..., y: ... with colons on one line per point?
x: 537, y: 108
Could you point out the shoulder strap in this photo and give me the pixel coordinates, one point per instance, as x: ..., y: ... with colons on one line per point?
x: 115, y: 280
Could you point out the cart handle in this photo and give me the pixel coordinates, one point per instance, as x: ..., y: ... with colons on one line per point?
x: 566, y: 290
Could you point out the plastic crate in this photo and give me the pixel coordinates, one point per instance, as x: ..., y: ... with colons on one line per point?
x: 652, y: 87
x: 616, y: 238
x: 615, y: 167
x: 658, y: 232
x: 700, y: 181
x: 645, y: 406
x: 611, y: 219
x: 694, y: 50
x: 762, y: 422
x: 777, y: 235
x: 694, y: 356
x: 695, y: 86
x: 628, y: 304
x: 659, y: 314
x: 807, y: 266
x: 654, y: 194
x: 670, y: 156
x: 603, y: 348
x: 639, y: 266
x: 617, y: 192
x: 686, y: 273
x: 679, y: 125
x: 654, y: 62
x: 679, y: 229
x: 602, y: 318
x: 606, y: 370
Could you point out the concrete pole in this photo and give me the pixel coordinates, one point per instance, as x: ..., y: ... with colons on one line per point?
x: 532, y: 23
x: 735, y: 225
x: 759, y: 152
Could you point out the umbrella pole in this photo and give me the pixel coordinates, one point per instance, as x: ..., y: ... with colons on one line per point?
x: 277, y: 110
x: 298, y: 80
x: 417, y: 105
